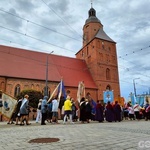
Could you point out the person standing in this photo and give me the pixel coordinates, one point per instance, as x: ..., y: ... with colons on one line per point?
x: 39, y: 115
x: 17, y: 111
x: 74, y: 110
x: 109, y: 112
x: 24, y: 110
x: 147, y: 111
x: 88, y: 110
x: 1, y: 105
x: 117, y: 112
x: 55, y: 110
x: 131, y: 112
x: 137, y: 108
x: 68, y: 109
x: 61, y: 104
x: 144, y: 109
x: 99, y: 112
x: 82, y: 110
x: 49, y: 112
x: 44, y: 110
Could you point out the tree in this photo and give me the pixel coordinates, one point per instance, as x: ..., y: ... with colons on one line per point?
x: 34, y: 97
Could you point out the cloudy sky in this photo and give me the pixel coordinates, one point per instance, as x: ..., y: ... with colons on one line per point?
x: 56, y: 25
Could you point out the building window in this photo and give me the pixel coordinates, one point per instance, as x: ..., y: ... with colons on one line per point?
x: 37, y: 87
x: 32, y: 86
x: 17, y: 90
x: 107, y: 74
x: 2, y: 86
x: 103, y: 47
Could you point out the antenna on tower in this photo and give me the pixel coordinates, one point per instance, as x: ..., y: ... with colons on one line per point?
x: 91, y: 3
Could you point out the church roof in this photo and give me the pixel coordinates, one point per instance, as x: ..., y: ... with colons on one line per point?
x: 26, y: 64
x: 102, y: 35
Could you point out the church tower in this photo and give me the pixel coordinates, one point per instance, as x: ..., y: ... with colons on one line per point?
x: 99, y: 53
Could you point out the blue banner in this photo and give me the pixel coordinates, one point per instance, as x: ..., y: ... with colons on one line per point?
x: 140, y: 100
x: 108, y: 96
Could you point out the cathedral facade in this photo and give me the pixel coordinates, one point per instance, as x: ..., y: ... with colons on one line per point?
x: 95, y: 64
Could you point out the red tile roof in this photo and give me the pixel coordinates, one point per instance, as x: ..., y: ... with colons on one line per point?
x: 20, y: 63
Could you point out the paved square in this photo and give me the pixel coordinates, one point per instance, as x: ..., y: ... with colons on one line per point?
x: 126, y: 135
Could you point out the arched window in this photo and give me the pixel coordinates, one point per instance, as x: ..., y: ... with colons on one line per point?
x: 107, y: 74
x: 32, y: 86
x: 2, y: 86
x: 37, y: 87
x: 17, y: 90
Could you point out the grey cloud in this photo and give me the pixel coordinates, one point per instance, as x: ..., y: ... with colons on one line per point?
x: 24, y: 5
x: 59, y: 6
x: 9, y: 20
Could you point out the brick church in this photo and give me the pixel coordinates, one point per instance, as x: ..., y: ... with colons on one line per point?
x: 95, y: 64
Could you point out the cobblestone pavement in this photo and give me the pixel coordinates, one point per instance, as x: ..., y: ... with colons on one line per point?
x: 125, y: 135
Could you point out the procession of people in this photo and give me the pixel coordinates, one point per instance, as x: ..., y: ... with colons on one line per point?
x: 70, y: 110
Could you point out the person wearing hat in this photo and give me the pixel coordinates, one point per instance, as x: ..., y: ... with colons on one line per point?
x: 39, y: 115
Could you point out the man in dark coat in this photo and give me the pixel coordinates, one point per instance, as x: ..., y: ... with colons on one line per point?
x: 99, y: 112
x: 117, y: 112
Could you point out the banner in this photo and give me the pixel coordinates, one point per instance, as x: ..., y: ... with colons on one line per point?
x: 120, y: 100
x: 140, y: 100
x: 9, y: 105
x: 108, y: 96
x: 81, y: 91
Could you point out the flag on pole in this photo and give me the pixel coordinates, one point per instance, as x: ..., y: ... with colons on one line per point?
x: 9, y: 105
x: 81, y: 91
x: 59, y: 91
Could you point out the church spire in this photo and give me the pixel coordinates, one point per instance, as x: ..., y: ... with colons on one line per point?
x: 92, y: 11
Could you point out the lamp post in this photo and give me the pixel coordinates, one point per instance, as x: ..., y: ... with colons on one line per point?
x: 134, y: 86
x: 46, y: 81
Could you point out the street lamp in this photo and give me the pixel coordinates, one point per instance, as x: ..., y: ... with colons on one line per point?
x: 134, y: 86
x: 46, y: 82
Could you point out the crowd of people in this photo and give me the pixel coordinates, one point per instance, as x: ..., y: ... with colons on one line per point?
x: 21, y: 113
x: 86, y: 110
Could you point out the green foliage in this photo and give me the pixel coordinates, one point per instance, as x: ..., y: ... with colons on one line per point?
x: 34, y: 97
